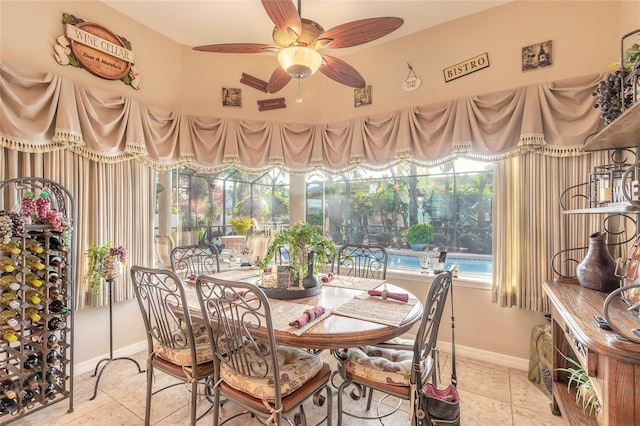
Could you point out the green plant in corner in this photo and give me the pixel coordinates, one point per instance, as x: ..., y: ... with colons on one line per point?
x: 241, y: 225
x: 578, y: 377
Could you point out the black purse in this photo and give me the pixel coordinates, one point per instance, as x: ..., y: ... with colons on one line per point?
x: 440, y: 407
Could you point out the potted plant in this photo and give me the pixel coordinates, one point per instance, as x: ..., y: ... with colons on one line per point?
x: 104, y: 262
x: 585, y: 394
x: 241, y: 225
x: 419, y: 235
x: 301, y: 239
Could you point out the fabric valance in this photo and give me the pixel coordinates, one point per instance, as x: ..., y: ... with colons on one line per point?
x: 43, y: 112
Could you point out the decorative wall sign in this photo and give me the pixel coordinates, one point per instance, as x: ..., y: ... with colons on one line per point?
x: 268, y: 104
x: 467, y: 67
x: 412, y: 82
x: 254, y: 82
x: 96, y: 49
x: 362, y: 96
x: 231, y: 97
x: 537, y: 56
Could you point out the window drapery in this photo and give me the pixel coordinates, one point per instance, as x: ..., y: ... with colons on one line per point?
x: 43, y: 113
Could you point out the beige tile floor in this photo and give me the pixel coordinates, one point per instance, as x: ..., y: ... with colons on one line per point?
x: 490, y: 395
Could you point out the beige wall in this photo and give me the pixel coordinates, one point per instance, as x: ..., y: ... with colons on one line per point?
x: 585, y: 34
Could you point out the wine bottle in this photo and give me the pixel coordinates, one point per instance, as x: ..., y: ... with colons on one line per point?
x: 54, y: 358
x: 8, y: 335
x: 54, y: 243
x: 33, y: 246
x: 33, y: 362
x: 33, y: 280
x: 29, y: 399
x: 51, y: 391
x: 57, y: 262
x: 55, y: 293
x: 9, y: 283
x: 8, y: 386
x: 56, y: 323
x: 8, y: 406
x: 58, y: 307
x: 33, y: 314
x: 6, y: 264
x: 10, y: 318
x: 33, y: 297
x: 33, y: 262
x: 52, y: 341
x: 10, y: 300
x: 54, y: 278
x: 10, y: 248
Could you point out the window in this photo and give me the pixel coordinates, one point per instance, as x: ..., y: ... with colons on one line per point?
x: 370, y: 207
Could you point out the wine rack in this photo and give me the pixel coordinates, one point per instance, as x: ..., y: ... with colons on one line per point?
x: 37, y: 277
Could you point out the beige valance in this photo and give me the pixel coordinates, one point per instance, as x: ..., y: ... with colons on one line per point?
x: 42, y: 112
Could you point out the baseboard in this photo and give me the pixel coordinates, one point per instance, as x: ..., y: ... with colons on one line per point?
x: 90, y: 365
x: 486, y: 356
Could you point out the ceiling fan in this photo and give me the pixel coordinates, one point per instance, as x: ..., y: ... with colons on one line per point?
x: 297, y: 41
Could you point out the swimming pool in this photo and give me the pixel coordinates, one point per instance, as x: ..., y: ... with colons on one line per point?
x: 467, y: 263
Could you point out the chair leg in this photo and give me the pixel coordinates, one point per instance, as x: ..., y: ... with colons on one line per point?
x: 147, y: 410
x: 194, y: 401
x: 369, y: 398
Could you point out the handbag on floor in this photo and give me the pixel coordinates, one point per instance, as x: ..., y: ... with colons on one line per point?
x: 440, y: 407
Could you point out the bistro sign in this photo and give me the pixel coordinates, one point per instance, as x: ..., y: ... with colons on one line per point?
x: 467, y: 67
x: 96, y: 49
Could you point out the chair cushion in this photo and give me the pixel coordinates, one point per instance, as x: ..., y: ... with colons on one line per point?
x: 296, y: 367
x: 182, y: 356
x: 383, y: 365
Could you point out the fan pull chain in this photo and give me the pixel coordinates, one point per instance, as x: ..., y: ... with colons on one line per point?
x: 299, y: 100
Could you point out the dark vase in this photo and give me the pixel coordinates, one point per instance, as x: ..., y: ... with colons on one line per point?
x: 597, y: 271
x: 310, y: 281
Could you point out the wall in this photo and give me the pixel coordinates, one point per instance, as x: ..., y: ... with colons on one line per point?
x: 586, y: 38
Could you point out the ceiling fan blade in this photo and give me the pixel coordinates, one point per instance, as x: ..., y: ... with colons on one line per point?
x: 340, y: 71
x: 284, y: 15
x: 278, y: 80
x: 360, y: 32
x: 235, y: 48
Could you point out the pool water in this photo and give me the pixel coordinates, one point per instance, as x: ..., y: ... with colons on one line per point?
x: 467, y: 264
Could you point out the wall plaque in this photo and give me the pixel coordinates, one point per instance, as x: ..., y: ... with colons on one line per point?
x: 97, y: 50
x: 467, y: 67
x: 254, y: 82
x: 268, y: 104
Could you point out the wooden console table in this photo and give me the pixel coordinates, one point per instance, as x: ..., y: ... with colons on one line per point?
x: 612, y: 364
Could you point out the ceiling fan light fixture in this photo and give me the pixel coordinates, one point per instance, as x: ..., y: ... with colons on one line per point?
x: 299, y: 61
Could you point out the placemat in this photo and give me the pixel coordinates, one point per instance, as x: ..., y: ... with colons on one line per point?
x: 355, y: 283
x: 374, y: 309
x: 283, y: 313
x: 239, y: 274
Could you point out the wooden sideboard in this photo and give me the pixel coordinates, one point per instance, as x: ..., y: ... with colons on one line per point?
x: 613, y: 365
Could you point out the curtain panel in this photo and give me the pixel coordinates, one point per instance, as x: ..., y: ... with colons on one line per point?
x: 42, y: 112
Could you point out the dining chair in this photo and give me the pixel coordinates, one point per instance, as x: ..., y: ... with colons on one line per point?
x: 397, y: 371
x: 194, y: 260
x: 265, y: 379
x: 175, y: 345
x: 365, y: 261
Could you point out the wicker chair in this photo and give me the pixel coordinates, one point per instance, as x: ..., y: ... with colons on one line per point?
x: 174, y: 344
x: 396, y: 370
x: 250, y: 368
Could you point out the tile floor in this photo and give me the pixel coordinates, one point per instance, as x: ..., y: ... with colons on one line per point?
x: 490, y: 395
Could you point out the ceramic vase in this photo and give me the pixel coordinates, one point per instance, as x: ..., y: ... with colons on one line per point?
x: 112, y: 267
x: 597, y: 271
x: 310, y: 281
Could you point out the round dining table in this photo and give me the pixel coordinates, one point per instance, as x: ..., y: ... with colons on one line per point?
x: 336, y: 330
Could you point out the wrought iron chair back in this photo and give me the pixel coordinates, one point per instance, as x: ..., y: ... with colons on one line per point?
x: 194, y: 260
x: 365, y: 261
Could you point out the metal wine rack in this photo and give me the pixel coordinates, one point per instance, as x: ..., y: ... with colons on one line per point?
x: 38, y: 365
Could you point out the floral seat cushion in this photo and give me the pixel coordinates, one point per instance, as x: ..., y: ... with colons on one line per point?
x: 181, y: 354
x: 296, y: 367
x: 381, y: 365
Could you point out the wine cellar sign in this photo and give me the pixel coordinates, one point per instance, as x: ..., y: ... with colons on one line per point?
x: 97, y: 50
x: 467, y: 67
